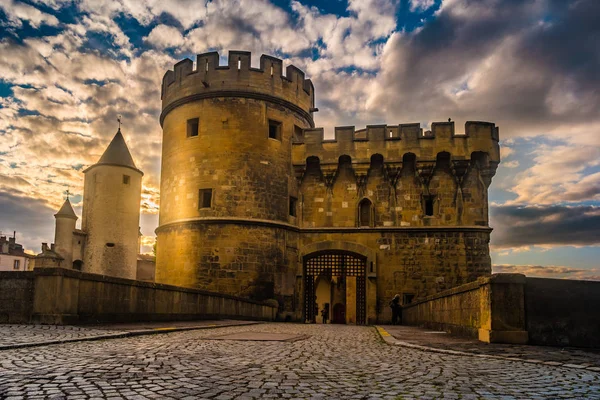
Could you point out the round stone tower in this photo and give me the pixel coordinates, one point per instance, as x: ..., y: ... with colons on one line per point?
x: 111, y: 212
x: 63, y: 233
x: 227, y: 215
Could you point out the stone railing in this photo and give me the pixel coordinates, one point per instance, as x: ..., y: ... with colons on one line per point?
x: 63, y: 296
x: 491, y: 309
x: 510, y: 308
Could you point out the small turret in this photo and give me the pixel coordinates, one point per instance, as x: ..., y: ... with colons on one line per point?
x: 111, y: 212
x: 63, y: 233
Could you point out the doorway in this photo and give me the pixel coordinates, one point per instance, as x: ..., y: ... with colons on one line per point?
x: 335, y: 279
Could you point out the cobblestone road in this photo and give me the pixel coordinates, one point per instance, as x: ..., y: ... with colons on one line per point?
x: 334, y: 362
x: 22, y: 334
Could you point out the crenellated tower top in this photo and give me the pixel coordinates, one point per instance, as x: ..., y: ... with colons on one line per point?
x: 237, y: 79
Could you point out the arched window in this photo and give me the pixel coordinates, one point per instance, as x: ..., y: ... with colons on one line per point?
x: 365, y: 213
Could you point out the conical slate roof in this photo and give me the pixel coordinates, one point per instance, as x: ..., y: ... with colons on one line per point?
x: 117, y: 153
x: 66, y: 210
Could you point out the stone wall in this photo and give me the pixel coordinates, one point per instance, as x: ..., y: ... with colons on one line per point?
x: 63, y: 296
x: 16, y: 296
x: 563, y: 312
x: 509, y: 308
x: 491, y: 309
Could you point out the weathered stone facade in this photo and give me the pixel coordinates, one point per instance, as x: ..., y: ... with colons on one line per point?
x: 256, y: 202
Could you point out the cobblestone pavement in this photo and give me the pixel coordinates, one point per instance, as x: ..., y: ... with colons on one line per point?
x: 444, y: 341
x: 24, y: 334
x: 33, y: 335
x: 334, y: 362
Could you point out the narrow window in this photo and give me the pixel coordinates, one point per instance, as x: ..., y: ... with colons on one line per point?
x: 364, y: 213
x: 17, y: 264
x: 293, y: 202
x: 126, y: 179
x: 206, y: 68
x: 298, y: 132
x: 429, y: 205
x: 271, y: 69
x: 275, y: 130
x: 407, y: 298
x: 110, y: 244
x: 205, y: 198
x: 192, y: 127
x: 239, y: 63
x: 391, y: 134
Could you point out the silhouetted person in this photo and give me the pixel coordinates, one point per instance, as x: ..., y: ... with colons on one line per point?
x: 325, y: 313
x: 396, y: 310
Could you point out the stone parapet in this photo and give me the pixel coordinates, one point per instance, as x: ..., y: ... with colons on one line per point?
x: 237, y: 79
x: 491, y: 309
x: 393, y: 141
x: 63, y: 296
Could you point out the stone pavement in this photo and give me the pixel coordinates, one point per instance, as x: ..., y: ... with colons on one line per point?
x: 333, y: 362
x: 14, y: 336
x: 436, y: 340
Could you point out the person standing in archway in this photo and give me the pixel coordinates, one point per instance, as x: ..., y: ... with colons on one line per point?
x: 396, y: 310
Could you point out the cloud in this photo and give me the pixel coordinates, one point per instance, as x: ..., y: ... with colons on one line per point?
x: 163, y: 37
x: 519, y: 226
x: 31, y: 218
x: 16, y: 13
x: 500, y: 61
x: 421, y: 5
x: 559, y: 174
x: 548, y: 271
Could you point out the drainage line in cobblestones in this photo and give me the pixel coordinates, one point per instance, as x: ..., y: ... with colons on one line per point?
x: 389, y: 339
x: 121, y: 335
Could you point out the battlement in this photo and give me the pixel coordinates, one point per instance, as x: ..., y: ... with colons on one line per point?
x: 237, y: 79
x: 393, y: 141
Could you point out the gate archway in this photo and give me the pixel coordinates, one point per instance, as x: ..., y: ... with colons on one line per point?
x: 335, y: 264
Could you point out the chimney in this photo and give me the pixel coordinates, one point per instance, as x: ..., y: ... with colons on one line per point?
x: 44, y: 247
x: 52, y: 246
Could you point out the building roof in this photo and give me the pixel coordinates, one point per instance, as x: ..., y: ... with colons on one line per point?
x: 117, y: 153
x: 66, y: 210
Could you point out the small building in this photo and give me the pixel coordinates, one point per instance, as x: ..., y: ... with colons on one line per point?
x: 107, y: 242
x: 12, y: 255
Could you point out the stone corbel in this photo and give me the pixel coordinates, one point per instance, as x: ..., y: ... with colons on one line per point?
x: 459, y: 170
x: 487, y: 173
x: 392, y: 172
x: 329, y: 172
x: 299, y: 171
x: 425, y: 172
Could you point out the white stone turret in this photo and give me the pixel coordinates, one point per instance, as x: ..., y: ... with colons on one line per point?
x: 63, y: 233
x: 111, y: 212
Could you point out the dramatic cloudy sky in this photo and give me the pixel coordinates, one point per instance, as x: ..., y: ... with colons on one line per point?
x: 69, y: 67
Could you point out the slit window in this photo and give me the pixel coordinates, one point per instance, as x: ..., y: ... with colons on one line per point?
x: 298, y: 132
x: 205, y: 198
x: 429, y: 205
x: 274, y: 130
x: 110, y: 244
x: 293, y: 204
x: 126, y: 179
x: 239, y: 63
x: 192, y: 127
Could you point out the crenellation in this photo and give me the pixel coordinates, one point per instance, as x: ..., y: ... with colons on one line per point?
x: 209, y: 78
x: 404, y: 138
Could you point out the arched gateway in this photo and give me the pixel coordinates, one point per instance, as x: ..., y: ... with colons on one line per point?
x: 335, y: 281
